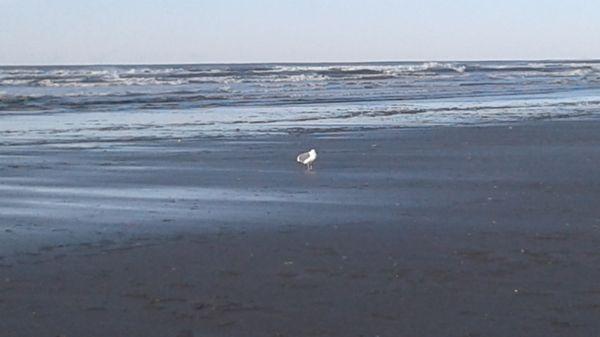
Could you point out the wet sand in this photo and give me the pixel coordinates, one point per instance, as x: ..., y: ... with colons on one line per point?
x: 450, y: 231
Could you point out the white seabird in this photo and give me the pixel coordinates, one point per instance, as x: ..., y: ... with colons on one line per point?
x: 307, y: 158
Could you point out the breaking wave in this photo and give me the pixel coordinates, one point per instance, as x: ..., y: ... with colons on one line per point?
x: 86, y: 77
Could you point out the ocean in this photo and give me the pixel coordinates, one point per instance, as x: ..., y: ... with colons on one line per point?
x: 123, y: 103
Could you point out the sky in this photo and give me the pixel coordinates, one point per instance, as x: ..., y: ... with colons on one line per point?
x: 240, y: 31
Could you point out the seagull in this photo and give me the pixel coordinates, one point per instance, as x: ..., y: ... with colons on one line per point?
x: 307, y: 158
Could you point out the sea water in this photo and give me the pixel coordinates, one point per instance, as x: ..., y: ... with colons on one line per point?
x: 124, y: 103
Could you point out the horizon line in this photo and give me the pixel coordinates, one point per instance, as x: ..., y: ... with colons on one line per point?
x: 91, y: 64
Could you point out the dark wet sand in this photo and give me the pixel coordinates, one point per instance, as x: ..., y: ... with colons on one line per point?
x: 472, y: 231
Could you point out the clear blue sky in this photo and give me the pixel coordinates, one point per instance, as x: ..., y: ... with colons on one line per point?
x: 174, y: 31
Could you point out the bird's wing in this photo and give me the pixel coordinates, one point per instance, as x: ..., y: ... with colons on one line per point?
x: 302, y: 157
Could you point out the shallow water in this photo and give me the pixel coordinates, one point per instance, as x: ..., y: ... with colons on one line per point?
x: 90, y: 104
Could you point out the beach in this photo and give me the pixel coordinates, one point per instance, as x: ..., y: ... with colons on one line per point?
x: 489, y: 230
